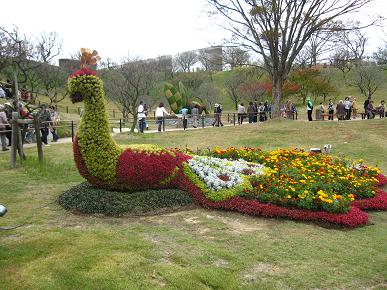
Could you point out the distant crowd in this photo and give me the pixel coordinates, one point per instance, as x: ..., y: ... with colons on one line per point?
x: 346, y: 110
x: 47, y: 115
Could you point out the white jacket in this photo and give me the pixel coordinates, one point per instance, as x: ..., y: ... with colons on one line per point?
x: 161, y: 112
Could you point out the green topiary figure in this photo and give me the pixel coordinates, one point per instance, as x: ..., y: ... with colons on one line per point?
x: 99, y: 159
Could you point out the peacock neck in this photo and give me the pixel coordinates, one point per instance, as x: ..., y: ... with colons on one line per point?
x: 99, y: 151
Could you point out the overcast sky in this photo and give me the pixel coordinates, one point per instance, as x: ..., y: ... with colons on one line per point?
x: 118, y: 28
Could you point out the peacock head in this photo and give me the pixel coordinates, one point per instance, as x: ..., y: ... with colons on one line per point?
x: 84, y: 84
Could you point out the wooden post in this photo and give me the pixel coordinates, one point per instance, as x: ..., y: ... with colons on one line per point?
x: 20, y: 144
x: 15, y: 116
x: 72, y: 131
x: 38, y: 140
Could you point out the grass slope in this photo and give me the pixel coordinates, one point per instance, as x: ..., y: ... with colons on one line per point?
x: 193, y: 249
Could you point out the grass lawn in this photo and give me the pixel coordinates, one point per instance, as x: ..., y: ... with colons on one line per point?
x: 195, y: 248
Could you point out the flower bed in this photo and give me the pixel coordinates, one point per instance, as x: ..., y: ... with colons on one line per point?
x: 289, y: 183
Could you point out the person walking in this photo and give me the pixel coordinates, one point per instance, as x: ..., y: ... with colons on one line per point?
x: 217, y: 115
x: 141, y: 117
x: 159, y: 115
x: 241, y: 113
x: 3, y: 126
x: 309, y: 108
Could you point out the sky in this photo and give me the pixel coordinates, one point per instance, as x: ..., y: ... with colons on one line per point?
x: 146, y: 29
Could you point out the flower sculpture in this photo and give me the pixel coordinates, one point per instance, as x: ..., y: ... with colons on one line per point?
x: 274, y: 184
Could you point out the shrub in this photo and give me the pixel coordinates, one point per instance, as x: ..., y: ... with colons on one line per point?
x: 86, y: 199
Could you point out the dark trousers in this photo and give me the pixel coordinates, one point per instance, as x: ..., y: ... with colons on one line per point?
x: 240, y: 118
x: 310, y: 115
x: 44, y: 133
x: 141, y: 125
x: 330, y: 112
x: 159, y: 122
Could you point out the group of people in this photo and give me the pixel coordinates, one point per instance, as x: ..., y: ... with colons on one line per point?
x: 346, y: 109
x: 47, y: 115
x: 7, y: 93
x: 255, y: 111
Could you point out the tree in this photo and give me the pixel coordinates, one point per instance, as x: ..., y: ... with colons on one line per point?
x: 315, y: 49
x: 278, y: 30
x: 235, y: 56
x: 381, y: 56
x: 367, y: 77
x: 53, y: 80
x: 211, y: 59
x: 128, y: 83
x: 350, y: 47
x: 192, y: 81
x: 208, y: 93
x: 311, y: 81
x: 233, y: 86
x: 185, y: 60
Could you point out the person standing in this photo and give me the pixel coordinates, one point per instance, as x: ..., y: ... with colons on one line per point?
x: 348, y: 108
x: 184, y: 114
x: 251, y: 112
x: 195, y: 116
x: 309, y: 108
x: 366, y: 102
x: 319, y: 111
x: 3, y: 127
x: 331, y: 110
x: 55, y: 123
x: 159, y: 115
x: 141, y: 117
x: 25, y: 94
x: 241, y: 113
x: 45, y: 119
x: 381, y: 109
x: 262, y: 112
x: 340, y: 110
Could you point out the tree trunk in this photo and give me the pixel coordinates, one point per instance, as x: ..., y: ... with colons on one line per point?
x: 134, y: 123
x: 277, y: 95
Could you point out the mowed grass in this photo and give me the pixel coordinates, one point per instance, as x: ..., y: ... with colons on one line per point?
x: 192, y: 249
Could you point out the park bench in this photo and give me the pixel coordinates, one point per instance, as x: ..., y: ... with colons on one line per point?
x: 363, y: 116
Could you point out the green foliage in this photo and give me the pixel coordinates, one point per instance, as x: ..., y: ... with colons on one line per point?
x: 97, y: 147
x: 86, y: 199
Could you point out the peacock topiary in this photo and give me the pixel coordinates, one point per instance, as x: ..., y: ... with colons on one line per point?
x: 105, y: 164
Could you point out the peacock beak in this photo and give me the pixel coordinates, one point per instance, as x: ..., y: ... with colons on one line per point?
x: 76, y: 97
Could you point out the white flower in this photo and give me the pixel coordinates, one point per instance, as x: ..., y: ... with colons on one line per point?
x: 210, y: 168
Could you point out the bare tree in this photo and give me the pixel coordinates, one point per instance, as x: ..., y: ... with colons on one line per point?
x: 367, y: 77
x: 350, y: 47
x: 235, y: 56
x: 128, y: 83
x: 53, y: 81
x: 316, y: 49
x: 278, y: 30
x: 233, y: 85
x: 208, y: 93
x: 381, y: 56
x: 185, y: 60
x: 48, y: 47
x: 211, y: 58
